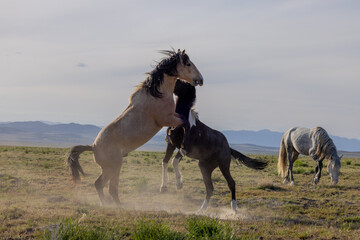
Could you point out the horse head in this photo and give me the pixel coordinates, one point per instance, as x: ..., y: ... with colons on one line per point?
x: 334, y: 168
x: 187, y: 71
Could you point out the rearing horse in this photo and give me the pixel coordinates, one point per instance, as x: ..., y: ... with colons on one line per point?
x: 151, y: 107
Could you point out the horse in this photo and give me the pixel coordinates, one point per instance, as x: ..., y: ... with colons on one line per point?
x: 315, y: 143
x: 186, y: 97
x: 210, y: 147
x: 151, y: 107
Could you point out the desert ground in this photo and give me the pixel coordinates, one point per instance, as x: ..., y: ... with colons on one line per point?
x: 39, y: 201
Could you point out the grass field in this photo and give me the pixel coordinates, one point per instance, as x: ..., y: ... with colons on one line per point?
x: 38, y: 200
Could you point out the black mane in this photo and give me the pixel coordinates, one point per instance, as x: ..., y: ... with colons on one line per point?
x: 186, y: 94
x: 167, y: 66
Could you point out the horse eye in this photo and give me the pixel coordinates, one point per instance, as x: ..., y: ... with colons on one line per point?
x: 188, y: 64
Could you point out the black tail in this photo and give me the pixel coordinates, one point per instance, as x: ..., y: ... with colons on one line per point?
x: 73, y: 161
x: 249, y: 162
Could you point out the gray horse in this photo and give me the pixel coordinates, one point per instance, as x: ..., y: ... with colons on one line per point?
x: 315, y: 143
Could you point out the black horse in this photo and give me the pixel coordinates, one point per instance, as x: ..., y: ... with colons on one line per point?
x: 186, y: 94
x: 207, y: 145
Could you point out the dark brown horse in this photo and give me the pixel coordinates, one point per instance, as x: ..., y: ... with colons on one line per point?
x: 151, y: 107
x: 207, y: 145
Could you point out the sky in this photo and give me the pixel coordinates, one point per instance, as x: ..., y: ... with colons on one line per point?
x: 266, y: 64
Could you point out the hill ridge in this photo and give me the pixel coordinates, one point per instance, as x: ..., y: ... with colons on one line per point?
x: 38, y: 133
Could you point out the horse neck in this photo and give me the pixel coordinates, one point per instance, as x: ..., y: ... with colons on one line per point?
x: 168, y: 84
x: 183, y: 106
x: 335, y: 157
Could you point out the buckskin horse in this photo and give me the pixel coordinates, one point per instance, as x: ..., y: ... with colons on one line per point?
x: 151, y: 107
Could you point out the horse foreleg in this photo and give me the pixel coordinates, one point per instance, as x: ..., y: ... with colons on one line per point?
x: 206, y: 173
x: 185, y: 142
x: 169, y: 151
x: 175, y: 163
x: 318, y: 169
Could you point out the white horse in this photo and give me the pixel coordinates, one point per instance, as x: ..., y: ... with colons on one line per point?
x: 315, y: 143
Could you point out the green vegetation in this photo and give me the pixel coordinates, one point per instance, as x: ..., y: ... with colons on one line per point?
x: 155, y: 230
x: 38, y: 200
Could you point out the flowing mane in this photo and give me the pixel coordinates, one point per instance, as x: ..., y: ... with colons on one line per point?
x: 138, y: 123
x: 326, y: 146
x: 168, y: 66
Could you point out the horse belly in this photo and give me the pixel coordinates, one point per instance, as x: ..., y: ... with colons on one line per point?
x: 301, y: 143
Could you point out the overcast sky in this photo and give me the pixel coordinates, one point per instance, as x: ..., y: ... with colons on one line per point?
x: 266, y: 64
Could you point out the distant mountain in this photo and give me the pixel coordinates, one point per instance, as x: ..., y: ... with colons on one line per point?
x: 269, y: 138
x: 42, y: 134
x: 65, y: 135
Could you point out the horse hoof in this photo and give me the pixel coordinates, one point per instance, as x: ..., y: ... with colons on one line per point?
x: 315, y: 181
x: 285, y: 181
x: 292, y: 183
x: 183, y: 152
x: 234, y: 206
x: 163, y: 189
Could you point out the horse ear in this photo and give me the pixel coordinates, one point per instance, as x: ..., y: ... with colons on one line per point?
x: 341, y: 156
x: 181, y: 56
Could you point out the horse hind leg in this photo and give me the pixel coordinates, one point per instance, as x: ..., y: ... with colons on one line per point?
x: 114, y: 183
x: 100, y: 184
x: 225, y: 170
x: 206, y: 172
x: 292, y: 156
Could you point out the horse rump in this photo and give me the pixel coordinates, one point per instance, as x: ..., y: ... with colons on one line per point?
x: 249, y: 162
x: 73, y: 161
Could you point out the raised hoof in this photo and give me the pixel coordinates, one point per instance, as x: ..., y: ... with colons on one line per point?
x: 179, y: 185
x: 183, y: 152
x: 163, y: 189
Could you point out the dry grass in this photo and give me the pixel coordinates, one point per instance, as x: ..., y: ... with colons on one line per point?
x: 36, y: 193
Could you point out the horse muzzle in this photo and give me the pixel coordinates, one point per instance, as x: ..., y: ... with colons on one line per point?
x: 198, y: 82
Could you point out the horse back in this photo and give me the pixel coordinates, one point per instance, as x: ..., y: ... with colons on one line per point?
x: 299, y: 139
x: 207, y: 142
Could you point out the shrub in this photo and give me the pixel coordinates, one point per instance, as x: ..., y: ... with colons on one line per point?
x: 70, y: 229
x: 207, y: 228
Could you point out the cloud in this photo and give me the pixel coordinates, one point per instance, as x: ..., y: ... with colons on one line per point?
x: 81, y: 65
x: 270, y: 64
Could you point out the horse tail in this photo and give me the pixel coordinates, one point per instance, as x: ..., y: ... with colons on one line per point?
x: 73, y: 161
x: 249, y: 162
x: 282, y: 161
